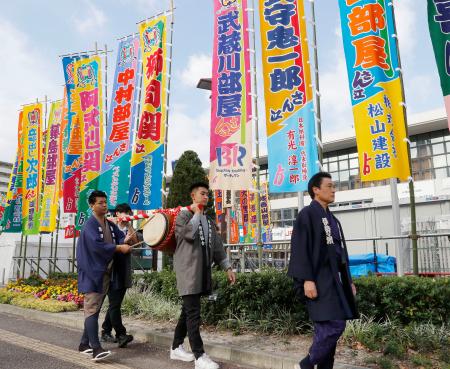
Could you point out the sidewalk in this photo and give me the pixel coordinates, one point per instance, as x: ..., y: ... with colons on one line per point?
x: 256, y: 350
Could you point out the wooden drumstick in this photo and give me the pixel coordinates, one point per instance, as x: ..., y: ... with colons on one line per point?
x: 141, y: 226
x: 136, y: 244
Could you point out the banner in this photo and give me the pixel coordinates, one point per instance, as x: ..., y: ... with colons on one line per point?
x: 7, y: 202
x: 243, y: 202
x: 375, y: 88
x: 63, y: 142
x: 12, y: 217
x: 231, y: 112
x: 50, y: 199
x: 72, y: 138
x: 32, y: 168
x: 265, y: 213
x: 147, y: 158
x: 290, y: 122
x: 439, y: 26
x: 218, y: 204
x: 88, y: 89
x: 115, y: 177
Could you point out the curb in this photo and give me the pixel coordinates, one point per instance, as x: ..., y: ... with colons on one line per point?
x: 220, y: 351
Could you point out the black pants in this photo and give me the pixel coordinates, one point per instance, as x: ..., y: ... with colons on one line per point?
x: 113, y: 317
x: 189, y: 323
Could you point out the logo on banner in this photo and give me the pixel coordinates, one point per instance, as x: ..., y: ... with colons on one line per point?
x: 152, y: 38
x: 86, y: 75
x: 127, y: 54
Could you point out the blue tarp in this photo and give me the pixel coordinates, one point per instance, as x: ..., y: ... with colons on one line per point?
x: 363, y: 264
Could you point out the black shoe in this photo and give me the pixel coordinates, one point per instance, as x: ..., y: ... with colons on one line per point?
x: 100, y: 353
x: 107, y: 337
x: 306, y: 363
x: 85, y: 349
x: 124, y: 339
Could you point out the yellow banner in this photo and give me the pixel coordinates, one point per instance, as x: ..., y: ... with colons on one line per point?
x: 382, y: 151
x: 32, y: 168
x: 88, y: 82
x: 52, y: 177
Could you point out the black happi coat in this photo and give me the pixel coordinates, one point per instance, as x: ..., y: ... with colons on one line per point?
x: 313, y: 260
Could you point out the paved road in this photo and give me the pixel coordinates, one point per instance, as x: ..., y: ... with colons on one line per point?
x: 25, y: 344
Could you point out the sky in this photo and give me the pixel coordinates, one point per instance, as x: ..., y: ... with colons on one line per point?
x: 34, y: 33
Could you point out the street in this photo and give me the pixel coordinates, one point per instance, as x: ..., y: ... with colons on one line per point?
x: 26, y: 344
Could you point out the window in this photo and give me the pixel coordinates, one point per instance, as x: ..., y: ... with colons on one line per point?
x: 354, y: 163
x: 438, y: 149
x: 343, y: 164
x: 333, y: 167
x: 287, y: 214
x: 439, y: 161
x: 440, y: 173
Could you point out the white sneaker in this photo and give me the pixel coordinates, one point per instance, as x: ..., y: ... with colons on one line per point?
x: 181, y: 354
x: 204, y: 362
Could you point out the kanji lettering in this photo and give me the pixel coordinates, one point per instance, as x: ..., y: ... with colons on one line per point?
x: 124, y: 94
x: 230, y: 62
x: 380, y: 143
x: 155, y: 64
x: 228, y: 21
x: 282, y: 38
x: 363, y: 19
x: 125, y: 76
x: 379, y: 127
x: 382, y: 161
x: 443, y: 14
x: 150, y: 126
x: 153, y: 93
x: 370, y: 52
x: 229, y: 83
x: 276, y: 12
x: 121, y: 113
x: 375, y: 110
x: 285, y: 79
x: 228, y: 44
x: 229, y: 106
x: 120, y: 132
x: 88, y: 99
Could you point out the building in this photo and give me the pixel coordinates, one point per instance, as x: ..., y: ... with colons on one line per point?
x: 5, y: 173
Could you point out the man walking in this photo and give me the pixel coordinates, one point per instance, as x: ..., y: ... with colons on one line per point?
x: 98, y: 242
x: 320, y: 270
x: 120, y: 282
x: 198, y: 245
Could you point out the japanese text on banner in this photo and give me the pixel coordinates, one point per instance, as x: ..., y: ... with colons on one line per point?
x: 290, y: 122
x: 231, y: 123
x: 375, y: 88
x: 49, y: 205
x: 88, y: 88
x: 32, y: 168
x: 147, y: 159
x: 116, y: 165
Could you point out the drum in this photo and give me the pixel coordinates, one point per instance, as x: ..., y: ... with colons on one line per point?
x: 159, y: 231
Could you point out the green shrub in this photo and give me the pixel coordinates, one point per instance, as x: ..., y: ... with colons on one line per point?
x: 421, y: 361
x: 51, y: 306
x: 405, y: 299
x: 56, y: 276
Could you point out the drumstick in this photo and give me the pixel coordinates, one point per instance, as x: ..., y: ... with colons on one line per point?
x: 142, y: 225
x: 136, y: 244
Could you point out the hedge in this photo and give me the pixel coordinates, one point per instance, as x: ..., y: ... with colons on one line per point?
x: 269, y: 296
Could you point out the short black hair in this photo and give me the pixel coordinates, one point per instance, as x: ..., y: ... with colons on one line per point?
x: 196, y: 185
x: 123, y: 208
x: 94, y: 194
x: 316, y: 181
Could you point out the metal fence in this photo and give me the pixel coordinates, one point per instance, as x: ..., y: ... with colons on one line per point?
x: 433, y: 252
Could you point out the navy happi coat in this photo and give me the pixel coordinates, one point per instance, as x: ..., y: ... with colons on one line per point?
x: 94, y: 254
x: 312, y: 259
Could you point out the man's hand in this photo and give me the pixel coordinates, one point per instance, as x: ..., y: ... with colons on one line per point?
x: 354, y: 289
x: 196, y: 208
x: 310, y: 289
x: 231, y: 276
x: 124, y: 249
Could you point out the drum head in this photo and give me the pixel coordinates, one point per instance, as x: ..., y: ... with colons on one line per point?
x: 155, y: 230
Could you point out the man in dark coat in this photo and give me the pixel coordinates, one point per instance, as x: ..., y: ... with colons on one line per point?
x: 320, y: 269
x: 98, y: 242
x: 121, y: 280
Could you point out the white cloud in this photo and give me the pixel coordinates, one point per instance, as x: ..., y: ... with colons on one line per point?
x: 336, y: 110
x: 25, y: 76
x: 198, y: 66
x: 187, y: 132
x: 92, y: 18
x: 405, y: 18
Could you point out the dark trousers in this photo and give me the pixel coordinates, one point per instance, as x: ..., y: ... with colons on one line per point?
x: 326, y: 335
x: 90, y: 332
x: 113, y: 317
x: 189, y: 324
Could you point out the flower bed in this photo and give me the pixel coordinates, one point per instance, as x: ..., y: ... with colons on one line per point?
x: 57, y: 288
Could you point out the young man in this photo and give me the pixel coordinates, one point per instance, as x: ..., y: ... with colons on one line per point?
x: 320, y: 269
x: 98, y: 242
x: 120, y: 281
x: 198, y: 245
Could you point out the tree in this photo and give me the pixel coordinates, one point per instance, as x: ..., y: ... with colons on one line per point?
x: 188, y: 170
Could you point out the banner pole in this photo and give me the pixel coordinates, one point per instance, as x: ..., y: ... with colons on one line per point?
x: 166, y: 129
x: 106, y: 87
x: 56, y: 240
x: 24, y: 258
x: 41, y: 195
x: 412, y: 198
x: 256, y: 125
x: 317, y: 86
